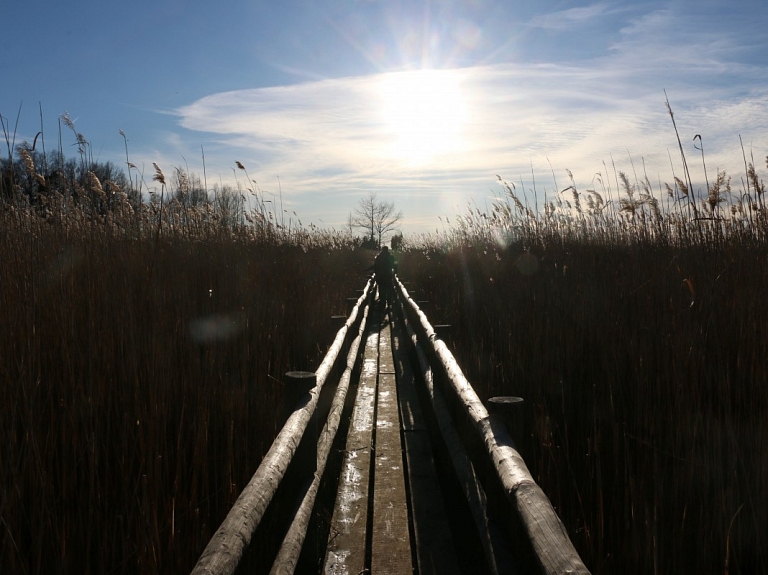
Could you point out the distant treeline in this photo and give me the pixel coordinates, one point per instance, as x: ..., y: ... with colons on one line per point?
x: 47, y: 182
x: 53, y: 188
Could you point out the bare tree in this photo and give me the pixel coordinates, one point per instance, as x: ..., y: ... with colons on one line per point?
x: 375, y: 216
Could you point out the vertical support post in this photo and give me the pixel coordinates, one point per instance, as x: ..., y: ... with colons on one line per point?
x: 509, y: 411
x: 298, y: 384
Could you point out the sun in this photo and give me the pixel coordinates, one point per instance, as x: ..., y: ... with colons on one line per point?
x: 423, y: 113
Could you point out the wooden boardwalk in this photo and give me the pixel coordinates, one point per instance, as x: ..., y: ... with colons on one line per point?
x: 389, y: 512
x: 390, y: 464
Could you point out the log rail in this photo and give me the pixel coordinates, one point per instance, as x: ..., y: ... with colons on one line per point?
x: 390, y: 463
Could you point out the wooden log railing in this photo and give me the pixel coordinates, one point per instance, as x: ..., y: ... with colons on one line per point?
x: 514, y: 500
x: 226, y: 548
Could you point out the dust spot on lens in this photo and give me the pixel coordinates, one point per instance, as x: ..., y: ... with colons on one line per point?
x: 213, y: 328
x: 527, y: 264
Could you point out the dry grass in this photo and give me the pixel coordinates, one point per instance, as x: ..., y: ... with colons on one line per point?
x: 140, y: 377
x: 638, y: 339
x: 142, y: 342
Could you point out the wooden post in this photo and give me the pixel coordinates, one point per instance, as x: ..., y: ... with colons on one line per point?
x: 509, y: 411
x: 298, y: 384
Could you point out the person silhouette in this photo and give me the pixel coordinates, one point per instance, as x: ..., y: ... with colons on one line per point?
x: 384, y: 268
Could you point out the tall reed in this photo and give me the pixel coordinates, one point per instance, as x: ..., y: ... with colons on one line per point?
x: 637, y: 338
x: 136, y: 404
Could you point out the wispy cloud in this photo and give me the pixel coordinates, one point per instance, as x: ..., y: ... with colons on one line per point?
x: 667, y: 38
x: 328, y: 139
x: 567, y: 19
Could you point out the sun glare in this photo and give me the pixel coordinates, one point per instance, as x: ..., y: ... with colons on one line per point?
x: 424, y: 112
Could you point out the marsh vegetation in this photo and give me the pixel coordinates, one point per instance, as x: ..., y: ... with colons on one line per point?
x: 144, y: 337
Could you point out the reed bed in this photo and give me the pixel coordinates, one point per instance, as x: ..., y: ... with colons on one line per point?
x: 147, y: 326
x: 638, y: 341
x: 141, y: 373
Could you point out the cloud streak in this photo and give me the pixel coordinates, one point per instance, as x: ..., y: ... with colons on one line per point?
x: 567, y: 19
x: 328, y: 139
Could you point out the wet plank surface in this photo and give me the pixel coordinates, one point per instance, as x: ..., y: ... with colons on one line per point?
x: 382, y: 542
x: 391, y: 541
x: 346, y: 553
x: 435, y: 553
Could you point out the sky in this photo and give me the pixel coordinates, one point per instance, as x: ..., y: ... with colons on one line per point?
x: 425, y: 103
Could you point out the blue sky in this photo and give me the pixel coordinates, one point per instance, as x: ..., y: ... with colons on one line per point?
x: 422, y: 102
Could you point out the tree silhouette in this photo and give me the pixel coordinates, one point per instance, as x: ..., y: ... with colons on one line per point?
x: 375, y: 216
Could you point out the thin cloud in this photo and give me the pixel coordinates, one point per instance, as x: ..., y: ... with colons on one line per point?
x: 670, y: 40
x: 567, y: 19
x: 328, y: 140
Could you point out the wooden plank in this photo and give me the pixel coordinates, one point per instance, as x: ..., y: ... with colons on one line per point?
x: 435, y: 554
x: 346, y: 553
x: 391, y: 541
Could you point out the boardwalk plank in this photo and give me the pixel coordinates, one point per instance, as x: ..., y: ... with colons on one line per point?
x: 435, y: 553
x: 346, y: 552
x: 391, y: 541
